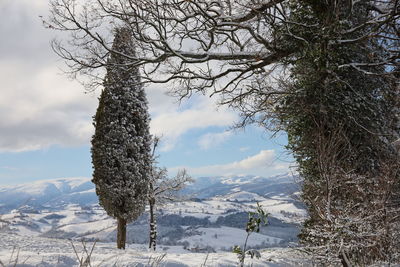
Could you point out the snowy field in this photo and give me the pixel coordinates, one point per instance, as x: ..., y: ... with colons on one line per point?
x: 39, y: 251
x: 38, y: 222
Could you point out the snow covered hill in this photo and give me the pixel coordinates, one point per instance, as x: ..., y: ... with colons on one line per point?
x: 213, y: 220
x: 48, y: 193
x: 51, y: 193
x: 284, y: 185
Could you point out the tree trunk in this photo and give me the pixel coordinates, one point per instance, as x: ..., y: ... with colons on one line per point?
x: 153, y: 225
x: 121, y: 235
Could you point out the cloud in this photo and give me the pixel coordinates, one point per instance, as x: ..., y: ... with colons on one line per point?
x: 264, y: 164
x: 23, y: 36
x: 213, y: 139
x: 172, y: 124
x: 39, y: 107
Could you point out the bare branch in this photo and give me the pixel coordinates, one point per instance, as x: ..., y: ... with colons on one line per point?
x: 223, y: 48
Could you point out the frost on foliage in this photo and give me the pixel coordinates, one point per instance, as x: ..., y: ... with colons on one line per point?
x: 362, y: 229
x: 121, y: 143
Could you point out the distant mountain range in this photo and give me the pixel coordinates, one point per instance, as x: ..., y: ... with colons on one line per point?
x: 48, y: 193
x: 284, y: 184
x: 80, y: 190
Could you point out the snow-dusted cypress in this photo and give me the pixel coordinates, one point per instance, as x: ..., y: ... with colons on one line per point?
x: 121, y: 145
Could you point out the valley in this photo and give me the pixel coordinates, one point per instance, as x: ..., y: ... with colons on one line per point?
x: 212, y: 219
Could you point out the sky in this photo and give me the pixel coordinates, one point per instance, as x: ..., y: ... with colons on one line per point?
x: 46, y: 118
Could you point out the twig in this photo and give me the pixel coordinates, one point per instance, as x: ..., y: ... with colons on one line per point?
x: 157, y: 261
x: 76, y: 253
x: 88, y: 254
x: 205, y: 260
x: 16, y: 257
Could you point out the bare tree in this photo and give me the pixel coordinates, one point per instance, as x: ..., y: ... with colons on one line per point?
x: 357, y: 214
x: 231, y: 48
x: 163, y: 189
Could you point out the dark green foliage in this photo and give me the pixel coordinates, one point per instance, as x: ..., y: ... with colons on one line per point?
x: 340, y: 122
x: 256, y: 219
x: 121, y: 143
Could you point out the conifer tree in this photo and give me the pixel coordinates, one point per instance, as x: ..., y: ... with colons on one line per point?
x: 121, y: 145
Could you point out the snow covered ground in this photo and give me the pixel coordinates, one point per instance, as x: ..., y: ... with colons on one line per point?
x: 38, y: 222
x: 224, y: 238
x: 39, y: 251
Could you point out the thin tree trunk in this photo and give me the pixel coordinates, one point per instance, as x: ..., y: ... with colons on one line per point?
x: 121, y: 235
x: 344, y: 259
x: 153, y: 226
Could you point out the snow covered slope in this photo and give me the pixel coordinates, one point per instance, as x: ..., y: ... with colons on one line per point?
x: 40, y: 251
x: 214, y: 217
x: 48, y: 193
x: 279, y: 185
x: 80, y: 191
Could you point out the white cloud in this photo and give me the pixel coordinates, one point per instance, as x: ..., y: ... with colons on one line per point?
x: 264, y: 164
x: 39, y: 107
x: 172, y: 124
x: 213, y: 139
